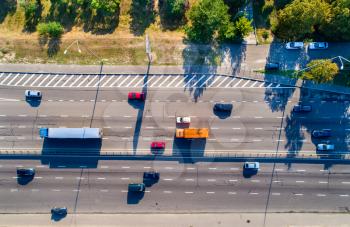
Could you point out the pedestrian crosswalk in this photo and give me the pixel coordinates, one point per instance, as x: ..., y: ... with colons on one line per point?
x: 129, y: 81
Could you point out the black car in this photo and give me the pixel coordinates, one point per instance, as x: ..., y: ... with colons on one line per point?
x: 321, y: 133
x: 59, y: 210
x: 25, y: 171
x: 226, y: 107
x: 302, y: 108
x: 272, y: 66
x: 151, y: 175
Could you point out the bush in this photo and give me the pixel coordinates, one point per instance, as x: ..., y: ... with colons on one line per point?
x: 50, y: 29
x: 105, y: 6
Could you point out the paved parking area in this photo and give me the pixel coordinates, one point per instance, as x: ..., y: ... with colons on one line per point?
x: 129, y: 80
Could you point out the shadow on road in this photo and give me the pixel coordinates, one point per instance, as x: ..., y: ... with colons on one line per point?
x: 135, y: 197
x: 189, y: 149
x: 24, y: 180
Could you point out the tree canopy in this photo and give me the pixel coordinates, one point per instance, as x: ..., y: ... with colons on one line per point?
x: 321, y: 71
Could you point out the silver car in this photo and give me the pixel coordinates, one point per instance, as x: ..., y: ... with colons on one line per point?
x: 294, y: 45
x: 325, y: 147
x: 183, y: 120
x: 32, y: 94
x: 318, y: 46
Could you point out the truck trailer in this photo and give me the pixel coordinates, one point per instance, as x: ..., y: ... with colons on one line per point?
x: 71, y: 133
x: 192, y: 133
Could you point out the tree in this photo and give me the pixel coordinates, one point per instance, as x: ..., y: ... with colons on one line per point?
x: 337, y: 26
x: 32, y: 13
x: 50, y: 29
x: 105, y: 6
x: 175, y: 9
x: 243, y: 27
x: 321, y: 71
x: 207, y: 17
x: 300, y: 19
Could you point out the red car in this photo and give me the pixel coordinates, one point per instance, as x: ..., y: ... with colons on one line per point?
x: 158, y: 145
x: 136, y: 96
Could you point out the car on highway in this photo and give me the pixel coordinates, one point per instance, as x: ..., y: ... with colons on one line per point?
x: 272, y: 66
x: 158, y: 145
x: 136, y: 96
x: 302, y: 108
x: 321, y: 133
x: 59, y: 210
x: 25, y: 172
x: 183, y: 120
x: 32, y: 94
x: 325, y: 147
x: 223, y: 107
x: 294, y: 45
x: 251, y: 166
x: 136, y: 187
x: 151, y: 175
x: 318, y: 45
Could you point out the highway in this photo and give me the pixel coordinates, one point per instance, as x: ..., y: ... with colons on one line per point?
x: 209, y: 187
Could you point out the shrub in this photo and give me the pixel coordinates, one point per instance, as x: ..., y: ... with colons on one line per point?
x: 50, y: 29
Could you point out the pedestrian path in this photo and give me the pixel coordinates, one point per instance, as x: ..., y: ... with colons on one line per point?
x: 130, y: 81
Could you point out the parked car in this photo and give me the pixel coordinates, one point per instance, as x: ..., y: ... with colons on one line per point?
x: 227, y: 107
x: 59, y: 210
x: 325, y: 147
x: 136, y: 187
x: 272, y: 66
x: 25, y: 171
x: 136, y: 96
x: 302, y: 108
x: 183, y: 120
x: 321, y: 133
x: 158, y: 145
x: 251, y: 166
x: 32, y: 94
x: 151, y: 175
x: 294, y: 45
x: 318, y: 45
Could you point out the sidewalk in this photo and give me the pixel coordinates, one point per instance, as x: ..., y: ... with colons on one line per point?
x: 182, y: 220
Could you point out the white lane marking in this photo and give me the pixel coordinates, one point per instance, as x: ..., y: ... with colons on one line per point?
x: 125, y: 167
x: 56, y: 190
x: 168, y: 179
x: 280, y: 117
x: 206, y: 81
x: 42, y: 81
x: 121, y: 84
x: 236, y: 128
x: 101, y: 178
x: 127, y: 127
x: 277, y: 181
x: 104, y: 167
x: 35, y: 190
x: 124, y: 191
x: 236, y: 117
x: 323, y: 182
x: 298, y: 194
x: 211, y: 180
x: 279, y: 140
x: 64, y: 115
x: 40, y: 166
x: 9, y: 83
x: 345, y: 182
x: 344, y: 195
x: 301, y: 170
x: 125, y: 178
x: 190, y: 168
x: 38, y: 177
x: 258, y: 117
x: 270, y: 85
x: 147, y: 82
x: 254, y: 84
x: 238, y: 83
x: 193, y: 85
x: 36, y: 80
x: 182, y: 80
x: 149, y: 127
x: 212, y: 168
x: 135, y: 77
x: 14, y: 190
x: 231, y: 82
x: 234, y: 168
x: 188, y: 82
x: 189, y: 179
x: 246, y: 83
x: 214, y: 128
x: 103, y: 190
x: 211, y: 84
x: 167, y: 192
x: 58, y: 178
x: 140, y: 81
x: 105, y: 83
x: 147, y: 167
x: 20, y: 80
x: 321, y: 195
x: 189, y: 192
x: 155, y: 82
x: 91, y: 81
x: 64, y: 76
x: 6, y: 78
x: 69, y: 79
x: 299, y: 181
x: 275, y: 193
x: 232, y: 193
x: 210, y: 192
x: 28, y: 80
x: 61, y: 166
x: 222, y: 81
x: 166, y: 79
x: 53, y: 79
x: 254, y: 193
x: 258, y: 128
x: 80, y: 178
x: 212, y: 139
x: 100, y: 79
x: 255, y: 181
x: 257, y: 140
x: 83, y: 81
x: 171, y: 82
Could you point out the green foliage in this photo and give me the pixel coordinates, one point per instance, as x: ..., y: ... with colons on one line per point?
x: 207, y: 18
x: 142, y: 15
x: 265, y: 34
x: 50, y: 29
x: 234, y: 5
x: 337, y: 26
x: 300, y: 18
x: 32, y: 13
x: 242, y: 27
x: 105, y: 6
x: 175, y: 9
x: 321, y: 71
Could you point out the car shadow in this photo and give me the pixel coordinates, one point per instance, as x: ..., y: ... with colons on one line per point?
x: 33, y: 102
x: 149, y: 182
x: 222, y: 114
x: 24, y: 180
x: 189, y: 149
x: 57, y: 217
x: 248, y: 173
x: 135, y: 197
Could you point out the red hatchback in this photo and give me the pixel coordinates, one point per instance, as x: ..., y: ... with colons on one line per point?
x: 158, y: 145
x: 136, y: 96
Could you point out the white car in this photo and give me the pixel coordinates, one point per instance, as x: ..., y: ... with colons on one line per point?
x: 294, y: 45
x: 325, y: 147
x: 183, y: 120
x: 251, y: 166
x: 318, y: 45
x: 32, y: 94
